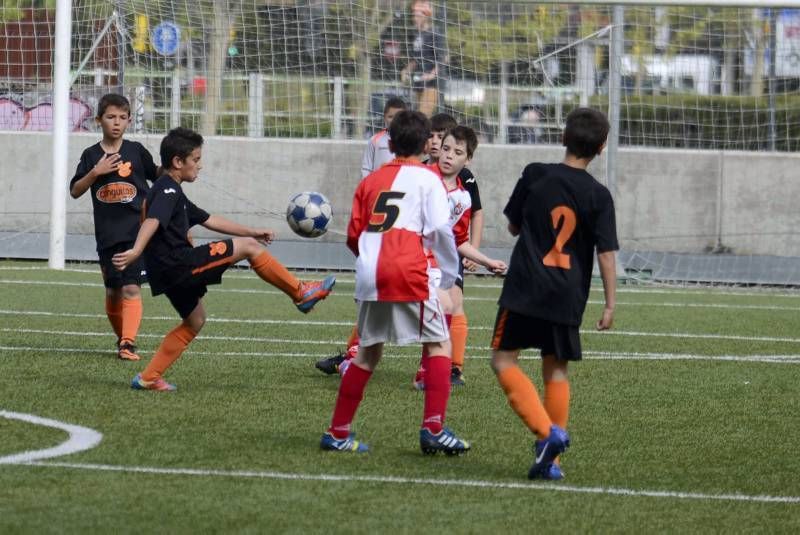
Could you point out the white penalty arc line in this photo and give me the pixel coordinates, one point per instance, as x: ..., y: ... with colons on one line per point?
x: 397, y: 480
x: 242, y: 321
x: 80, y: 439
x: 253, y: 291
x: 587, y: 355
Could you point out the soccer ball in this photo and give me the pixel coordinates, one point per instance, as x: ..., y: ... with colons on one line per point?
x: 309, y: 214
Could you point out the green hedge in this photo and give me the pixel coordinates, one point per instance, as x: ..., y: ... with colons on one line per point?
x: 709, y: 122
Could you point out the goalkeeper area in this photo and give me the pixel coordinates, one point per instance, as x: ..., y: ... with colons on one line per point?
x: 680, y: 419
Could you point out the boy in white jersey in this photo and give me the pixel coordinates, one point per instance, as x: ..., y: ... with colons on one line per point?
x: 398, y: 211
x: 378, y: 152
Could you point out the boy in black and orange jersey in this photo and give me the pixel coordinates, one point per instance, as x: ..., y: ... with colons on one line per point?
x: 183, y: 272
x: 562, y: 215
x: 117, y: 171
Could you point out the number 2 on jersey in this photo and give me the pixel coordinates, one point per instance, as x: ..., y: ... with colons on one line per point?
x: 556, y: 256
x: 384, y: 215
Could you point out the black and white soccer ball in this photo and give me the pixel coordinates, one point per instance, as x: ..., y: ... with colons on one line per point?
x: 309, y: 214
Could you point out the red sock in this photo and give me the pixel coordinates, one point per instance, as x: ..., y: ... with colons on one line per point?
x: 437, y: 392
x: 423, y: 362
x: 351, y: 392
x: 352, y: 344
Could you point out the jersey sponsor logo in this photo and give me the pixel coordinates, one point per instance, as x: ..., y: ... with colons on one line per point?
x: 125, y: 169
x: 170, y: 190
x: 116, y: 192
x: 217, y: 248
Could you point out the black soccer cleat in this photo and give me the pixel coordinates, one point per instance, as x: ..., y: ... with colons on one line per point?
x: 330, y: 365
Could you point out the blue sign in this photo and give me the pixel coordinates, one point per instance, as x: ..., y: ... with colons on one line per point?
x: 166, y: 38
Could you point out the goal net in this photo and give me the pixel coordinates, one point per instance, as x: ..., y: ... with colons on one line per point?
x: 289, y: 92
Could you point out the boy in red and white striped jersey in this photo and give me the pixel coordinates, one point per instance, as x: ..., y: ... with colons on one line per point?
x: 398, y: 211
x: 457, y: 148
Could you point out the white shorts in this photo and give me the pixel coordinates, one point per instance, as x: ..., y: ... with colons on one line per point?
x: 401, y: 323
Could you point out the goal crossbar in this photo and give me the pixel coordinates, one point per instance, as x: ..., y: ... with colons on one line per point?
x: 669, y: 3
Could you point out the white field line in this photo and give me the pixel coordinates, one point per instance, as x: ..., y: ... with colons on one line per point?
x: 398, y: 480
x: 336, y: 342
x: 80, y: 439
x: 350, y: 324
x: 216, y: 289
x: 655, y: 289
x: 588, y: 355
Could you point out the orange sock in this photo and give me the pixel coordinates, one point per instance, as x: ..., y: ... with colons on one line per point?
x: 353, y: 340
x: 556, y: 402
x: 524, y: 399
x: 114, y: 313
x: 131, y: 318
x: 458, y: 337
x: 273, y: 272
x: 173, y: 345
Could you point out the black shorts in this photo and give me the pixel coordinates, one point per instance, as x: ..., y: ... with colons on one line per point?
x: 460, y: 278
x: 204, y: 266
x: 135, y: 273
x: 513, y: 331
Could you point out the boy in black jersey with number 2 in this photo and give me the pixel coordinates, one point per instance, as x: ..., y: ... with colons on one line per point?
x: 561, y: 215
x: 117, y: 171
x: 181, y: 271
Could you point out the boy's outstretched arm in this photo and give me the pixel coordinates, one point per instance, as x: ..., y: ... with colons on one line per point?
x: 146, y: 231
x: 231, y: 228
x: 475, y: 236
x: 467, y: 250
x: 608, y: 272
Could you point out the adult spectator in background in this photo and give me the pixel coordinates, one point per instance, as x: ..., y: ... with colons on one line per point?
x: 428, y: 59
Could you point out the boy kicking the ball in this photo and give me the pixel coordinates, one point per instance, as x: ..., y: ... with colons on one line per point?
x: 398, y: 211
x: 183, y: 272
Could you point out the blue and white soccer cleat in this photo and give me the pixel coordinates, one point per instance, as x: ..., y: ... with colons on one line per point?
x: 445, y: 441
x: 546, y: 451
x: 314, y: 292
x: 349, y: 444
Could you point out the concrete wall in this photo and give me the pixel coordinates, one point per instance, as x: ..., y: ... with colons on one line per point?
x: 667, y: 200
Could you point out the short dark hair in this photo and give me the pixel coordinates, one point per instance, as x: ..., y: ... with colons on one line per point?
x: 408, y: 133
x: 112, y: 99
x: 466, y: 135
x: 442, y: 122
x: 396, y: 103
x: 586, y: 132
x: 178, y: 142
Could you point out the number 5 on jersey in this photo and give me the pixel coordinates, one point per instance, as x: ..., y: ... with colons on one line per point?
x: 556, y: 257
x: 384, y: 215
